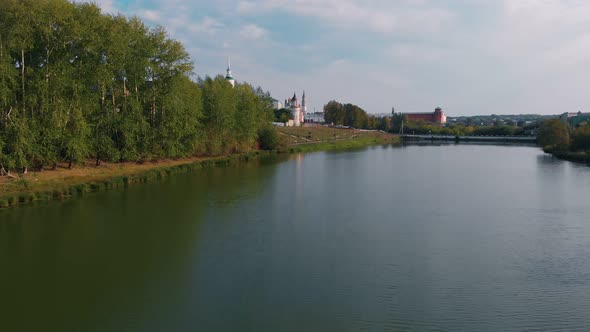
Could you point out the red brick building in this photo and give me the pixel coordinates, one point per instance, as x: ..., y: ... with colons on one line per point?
x: 438, y: 116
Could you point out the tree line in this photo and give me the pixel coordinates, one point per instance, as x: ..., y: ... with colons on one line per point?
x: 76, y: 84
x: 555, y: 135
x: 353, y: 116
x: 425, y: 128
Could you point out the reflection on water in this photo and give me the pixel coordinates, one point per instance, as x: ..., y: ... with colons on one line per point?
x: 424, y: 238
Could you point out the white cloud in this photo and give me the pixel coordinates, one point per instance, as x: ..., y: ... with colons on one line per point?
x: 207, y: 25
x: 379, y: 16
x: 415, y: 53
x: 151, y: 15
x: 468, y: 56
x: 253, y: 32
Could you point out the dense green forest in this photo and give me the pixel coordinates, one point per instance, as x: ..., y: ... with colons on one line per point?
x: 76, y: 84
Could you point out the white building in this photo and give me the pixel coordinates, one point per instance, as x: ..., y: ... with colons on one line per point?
x: 277, y: 104
x: 297, y: 110
x: 316, y: 117
x: 228, y: 76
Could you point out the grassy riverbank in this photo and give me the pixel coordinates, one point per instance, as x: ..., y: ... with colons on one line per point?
x: 319, y: 138
x: 64, y: 183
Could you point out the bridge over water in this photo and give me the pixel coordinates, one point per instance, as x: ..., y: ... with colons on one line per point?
x: 523, y: 139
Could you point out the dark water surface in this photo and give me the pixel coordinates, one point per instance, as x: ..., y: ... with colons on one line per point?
x: 420, y: 238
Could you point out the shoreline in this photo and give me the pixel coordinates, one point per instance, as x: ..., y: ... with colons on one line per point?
x: 62, y: 184
x: 582, y: 157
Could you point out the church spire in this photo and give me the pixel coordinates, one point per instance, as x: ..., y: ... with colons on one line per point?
x: 228, y: 76
x: 303, y: 106
x: 228, y: 67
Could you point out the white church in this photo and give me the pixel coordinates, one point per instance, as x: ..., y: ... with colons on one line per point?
x: 228, y: 75
x: 297, y: 110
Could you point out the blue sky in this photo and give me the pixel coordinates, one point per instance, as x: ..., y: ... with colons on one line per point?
x: 467, y: 56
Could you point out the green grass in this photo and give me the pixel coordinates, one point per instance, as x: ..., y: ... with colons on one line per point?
x: 342, y: 144
x: 298, y: 135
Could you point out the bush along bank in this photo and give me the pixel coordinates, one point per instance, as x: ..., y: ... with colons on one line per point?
x: 575, y: 156
x: 573, y: 144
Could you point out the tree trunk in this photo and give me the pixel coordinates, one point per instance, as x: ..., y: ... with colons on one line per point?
x: 113, y: 96
x: 47, y: 67
x: 154, y: 109
x: 25, y: 170
x: 54, y: 167
x: 97, y: 160
x: 22, y: 63
x: 70, y: 164
x: 125, y: 91
x: 102, y: 94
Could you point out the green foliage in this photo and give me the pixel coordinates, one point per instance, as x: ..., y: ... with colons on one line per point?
x: 178, y: 128
x: 248, y: 113
x: 346, y: 115
x: 268, y: 138
x: 75, y: 137
x: 554, y: 133
x: 77, y: 84
x: 426, y: 128
x: 334, y: 113
x: 283, y: 115
x: 353, y: 116
x: 581, y: 139
x: 219, y: 115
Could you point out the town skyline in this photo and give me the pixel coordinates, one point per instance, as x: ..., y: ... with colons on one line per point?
x: 501, y: 57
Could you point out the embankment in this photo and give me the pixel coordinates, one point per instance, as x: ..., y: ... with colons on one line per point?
x: 64, y: 183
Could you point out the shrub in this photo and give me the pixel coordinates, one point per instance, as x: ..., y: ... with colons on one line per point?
x: 268, y: 138
x: 581, y: 138
x: 554, y: 133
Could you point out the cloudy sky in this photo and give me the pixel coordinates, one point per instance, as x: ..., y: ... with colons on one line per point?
x: 467, y: 56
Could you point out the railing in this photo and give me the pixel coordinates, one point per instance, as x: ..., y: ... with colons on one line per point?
x: 473, y: 138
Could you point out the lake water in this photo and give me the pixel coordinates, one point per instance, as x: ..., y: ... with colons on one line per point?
x: 418, y: 238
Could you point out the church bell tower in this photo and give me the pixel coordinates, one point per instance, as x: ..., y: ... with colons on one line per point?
x: 228, y: 76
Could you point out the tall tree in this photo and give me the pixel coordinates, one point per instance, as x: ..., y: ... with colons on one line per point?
x: 554, y: 133
x: 219, y: 108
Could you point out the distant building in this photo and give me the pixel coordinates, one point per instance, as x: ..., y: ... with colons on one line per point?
x: 297, y: 110
x: 228, y: 75
x: 438, y: 116
x: 277, y: 104
x: 575, y: 119
x: 316, y: 117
